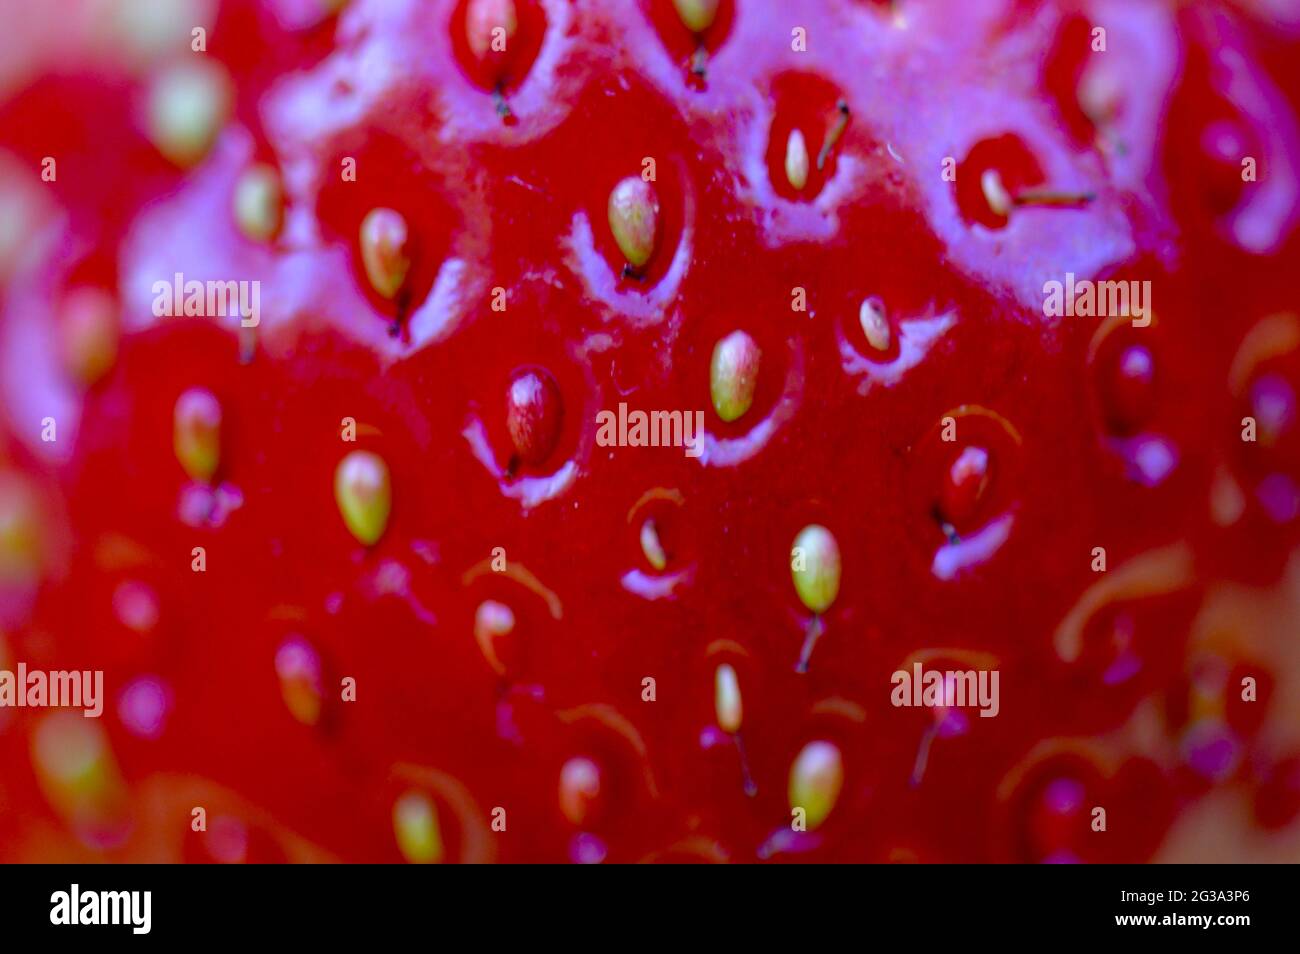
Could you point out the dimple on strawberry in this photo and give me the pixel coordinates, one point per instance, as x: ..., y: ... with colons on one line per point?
x: 365, y: 584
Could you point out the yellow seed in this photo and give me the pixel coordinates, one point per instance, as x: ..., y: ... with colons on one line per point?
x: 299, y: 669
x: 72, y: 756
x: 197, y: 433
x: 188, y: 105
x: 815, y: 567
x: 634, y: 219
x: 364, y: 494
x: 78, y: 774
x: 816, y: 777
x: 579, y: 789
x: 88, y: 334
x: 995, y: 193
x: 796, y: 160
x: 697, y: 15
x: 492, y: 620
x: 415, y: 824
x: 874, y: 323
x: 733, y: 375
x: 21, y: 541
x: 384, y: 250
x: 651, y: 547
x: 726, y: 699
x: 258, y: 202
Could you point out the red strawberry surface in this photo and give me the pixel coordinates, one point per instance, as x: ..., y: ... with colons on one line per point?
x: 367, y: 583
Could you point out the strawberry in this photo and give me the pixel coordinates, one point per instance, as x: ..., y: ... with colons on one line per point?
x: 365, y: 582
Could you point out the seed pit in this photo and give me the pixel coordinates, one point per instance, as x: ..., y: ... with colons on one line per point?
x: 809, y: 119
x: 992, y: 173
x: 394, y: 179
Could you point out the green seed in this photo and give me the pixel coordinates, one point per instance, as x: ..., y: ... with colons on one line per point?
x: 816, y: 777
x: 21, y: 538
x: 88, y: 334
x: 634, y: 219
x: 258, y: 202
x: 364, y: 494
x: 196, y: 434
x: 188, y: 105
x: 733, y: 375
x: 384, y: 250
x: 415, y: 824
x: 815, y: 567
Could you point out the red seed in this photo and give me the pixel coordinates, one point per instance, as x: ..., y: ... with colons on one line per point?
x: 534, y: 415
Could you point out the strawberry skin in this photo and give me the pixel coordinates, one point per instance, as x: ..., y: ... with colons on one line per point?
x: 433, y: 618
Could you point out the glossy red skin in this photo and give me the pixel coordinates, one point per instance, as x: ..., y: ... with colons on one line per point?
x: 502, y: 197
